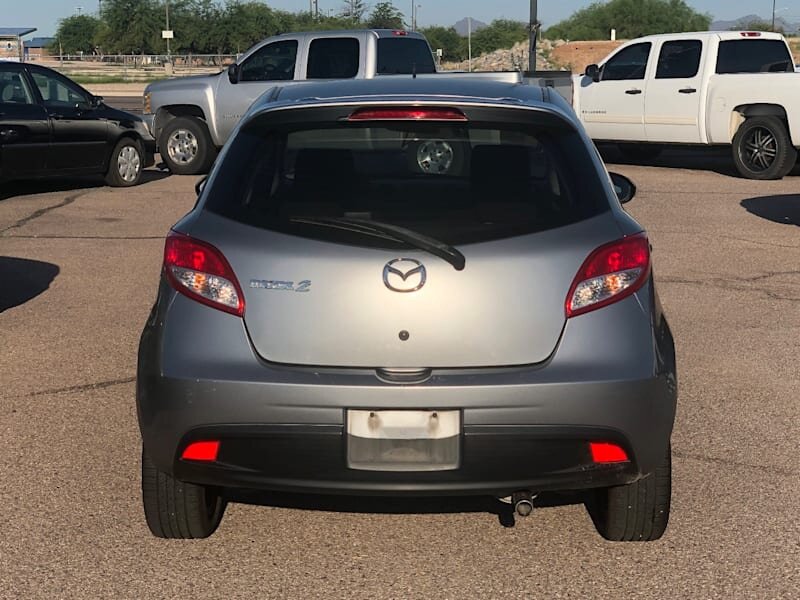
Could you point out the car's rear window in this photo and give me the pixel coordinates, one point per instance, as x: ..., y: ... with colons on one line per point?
x: 754, y: 56
x: 403, y: 56
x: 457, y: 183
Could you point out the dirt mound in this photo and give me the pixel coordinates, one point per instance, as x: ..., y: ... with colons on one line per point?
x: 576, y: 55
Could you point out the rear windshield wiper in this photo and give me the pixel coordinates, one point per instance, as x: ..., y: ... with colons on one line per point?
x: 391, y: 232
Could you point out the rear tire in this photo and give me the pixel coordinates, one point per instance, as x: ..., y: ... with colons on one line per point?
x: 186, y: 146
x: 637, y: 512
x: 762, y: 149
x: 125, y: 164
x: 176, y: 509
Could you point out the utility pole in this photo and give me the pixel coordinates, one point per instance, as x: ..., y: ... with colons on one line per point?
x: 168, y: 52
x: 534, y: 33
x: 773, y: 15
x: 469, y: 43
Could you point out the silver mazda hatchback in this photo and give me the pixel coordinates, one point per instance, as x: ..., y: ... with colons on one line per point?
x: 408, y: 287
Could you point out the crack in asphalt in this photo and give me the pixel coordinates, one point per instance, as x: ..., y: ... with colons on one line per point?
x: 99, y: 385
x: 43, y: 211
x: 771, y: 469
x: 737, y: 284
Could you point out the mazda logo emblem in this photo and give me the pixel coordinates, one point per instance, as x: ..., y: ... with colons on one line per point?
x: 404, y: 275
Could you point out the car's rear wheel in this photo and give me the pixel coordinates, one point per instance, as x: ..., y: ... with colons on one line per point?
x: 637, y: 512
x: 126, y: 164
x: 186, y: 146
x: 176, y: 509
x: 762, y: 149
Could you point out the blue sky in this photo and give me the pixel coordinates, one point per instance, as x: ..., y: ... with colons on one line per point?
x: 44, y: 14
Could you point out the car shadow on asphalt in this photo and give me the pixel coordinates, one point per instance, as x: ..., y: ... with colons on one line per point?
x: 25, y: 279
x: 715, y: 159
x: 400, y: 505
x: 45, y: 185
x: 783, y: 209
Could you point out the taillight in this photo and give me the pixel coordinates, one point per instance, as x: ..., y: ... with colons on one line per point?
x: 200, y: 271
x: 750, y: 34
x: 407, y: 114
x: 399, y: 32
x: 205, y: 451
x: 605, y: 452
x: 611, y: 273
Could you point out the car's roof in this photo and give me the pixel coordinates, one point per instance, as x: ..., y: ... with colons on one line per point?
x: 346, y: 32
x: 405, y: 88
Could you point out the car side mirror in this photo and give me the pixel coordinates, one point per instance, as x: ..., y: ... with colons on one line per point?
x: 96, y: 101
x: 200, y: 185
x: 233, y: 73
x: 623, y: 187
x: 593, y: 71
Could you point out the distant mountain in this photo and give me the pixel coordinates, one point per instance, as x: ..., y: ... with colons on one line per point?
x: 462, y: 27
x: 741, y: 21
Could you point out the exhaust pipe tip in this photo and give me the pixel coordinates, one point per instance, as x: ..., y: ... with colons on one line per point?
x: 523, y: 502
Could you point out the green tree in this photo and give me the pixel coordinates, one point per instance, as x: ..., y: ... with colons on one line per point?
x: 631, y: 19
x: 385, y: 16
x: 453, y: 46
x: 77, y: 34
x: 500, y: 33
x: 354, y: 10
x: 132, y: 26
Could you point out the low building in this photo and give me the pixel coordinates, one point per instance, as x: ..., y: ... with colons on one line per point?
x: 11, y: 45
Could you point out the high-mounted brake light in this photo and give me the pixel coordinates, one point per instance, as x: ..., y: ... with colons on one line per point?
x: 605, y: 452
x: 612, y: 272
x: 750, y: 34
x: 200, y: 271
x: 205, y: 451
x: 407, y: 114
x: 399, y: 32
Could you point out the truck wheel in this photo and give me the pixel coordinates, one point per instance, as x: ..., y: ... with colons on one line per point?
x: 762, y: 149
x: 637, y: 512
x: 639, y: 151
x: 186, y: 146
x: 176, y: 509
x: 125, y: 164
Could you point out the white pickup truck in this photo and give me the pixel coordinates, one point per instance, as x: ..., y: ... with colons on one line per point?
x: 731, y: 88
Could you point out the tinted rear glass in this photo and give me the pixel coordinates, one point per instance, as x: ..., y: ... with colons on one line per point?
x: 402, y: 55
x: 754, y: 56
x: 333, y: 58
x: 457, y: 183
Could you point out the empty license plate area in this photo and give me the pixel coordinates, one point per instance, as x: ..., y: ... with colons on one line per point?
x: 403, y: 440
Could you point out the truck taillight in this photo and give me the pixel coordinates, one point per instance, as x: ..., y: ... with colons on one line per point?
x: 750, y: 34
x: 199, y: 271
x: 612, y: 272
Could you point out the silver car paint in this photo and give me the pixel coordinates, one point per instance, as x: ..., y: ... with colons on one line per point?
x: 612, y: 368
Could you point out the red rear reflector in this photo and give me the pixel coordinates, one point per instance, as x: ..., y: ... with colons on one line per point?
x: 407, y: 114
x: 750, y: 34
x: 205, y: 451
x: 612, y: 272
x: 198, y: 270
x: 604, y: 452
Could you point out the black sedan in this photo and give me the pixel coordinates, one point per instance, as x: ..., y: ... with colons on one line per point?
x: 51, y: 126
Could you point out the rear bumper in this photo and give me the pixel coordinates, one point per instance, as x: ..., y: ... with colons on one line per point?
x: 282, y: 427
x: 494, y: 460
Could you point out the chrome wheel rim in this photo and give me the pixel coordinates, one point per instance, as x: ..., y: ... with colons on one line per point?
x: 182, y: 146
x: 435, y: 156
x: 760, y: 149
x: 129, y: 164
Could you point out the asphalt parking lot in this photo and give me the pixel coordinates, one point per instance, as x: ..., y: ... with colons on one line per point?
x: 79, y: 264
